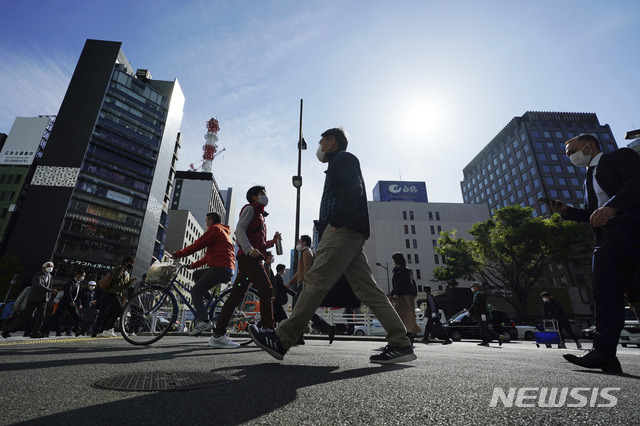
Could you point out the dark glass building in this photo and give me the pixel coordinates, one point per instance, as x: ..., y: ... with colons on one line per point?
x: 102, y: 188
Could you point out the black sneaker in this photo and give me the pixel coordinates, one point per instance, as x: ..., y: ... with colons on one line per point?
x: 500, y: 340
x: 392, y: 355
x: 6, y: 334
x: 447, y: 342
x: 484, y: 344
x: 267, y: 341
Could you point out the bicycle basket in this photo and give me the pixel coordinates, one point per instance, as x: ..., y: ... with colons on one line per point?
x: 162, y: 273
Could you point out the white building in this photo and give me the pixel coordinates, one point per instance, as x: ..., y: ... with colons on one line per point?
x: 182, y: 231
x: 413, y: 228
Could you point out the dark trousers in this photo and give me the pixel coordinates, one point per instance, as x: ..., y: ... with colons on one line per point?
x: 209, y: 278
x: 115, y: 308
x: 320, y: 324
x: 32, y: 306
x: 54, y: 320
x: 103, y: 309
x: 279, y: 313
x: 434, y: 324
x: 487, y: 333
x: 250, y: 271
x: 616, y: 259
x: 565, y: 326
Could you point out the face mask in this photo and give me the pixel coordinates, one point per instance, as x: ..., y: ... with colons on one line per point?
x: 579, y: 159
x: 322, y: 155
x: 49, y: 269
x: 545, y: 300
x: 299, y: 247
x: 263, y: 199
x: 81, y: 279
x: 91, y: 288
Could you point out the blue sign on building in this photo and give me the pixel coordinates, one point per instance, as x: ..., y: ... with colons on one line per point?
x: 400, y: 191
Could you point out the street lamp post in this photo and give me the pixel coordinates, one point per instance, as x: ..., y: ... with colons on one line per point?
x: 297, y: 183
x: 387, y: 269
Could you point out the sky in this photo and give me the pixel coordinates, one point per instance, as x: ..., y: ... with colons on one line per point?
x: 420, y: 86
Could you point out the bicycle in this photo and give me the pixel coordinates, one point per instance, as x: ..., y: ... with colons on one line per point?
x: 152, y: 312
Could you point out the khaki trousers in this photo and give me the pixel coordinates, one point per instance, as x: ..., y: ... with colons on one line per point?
x: 341, y: 252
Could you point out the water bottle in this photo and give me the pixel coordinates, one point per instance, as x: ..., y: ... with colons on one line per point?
x: 278, y: 245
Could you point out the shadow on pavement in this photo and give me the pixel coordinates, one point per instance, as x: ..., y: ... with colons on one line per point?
x: 259, y: 390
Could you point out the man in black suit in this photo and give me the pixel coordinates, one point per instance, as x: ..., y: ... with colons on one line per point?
x: 68, y: 304
x: 39, y: 295
x: 612, y: 207
x: 433, y: 319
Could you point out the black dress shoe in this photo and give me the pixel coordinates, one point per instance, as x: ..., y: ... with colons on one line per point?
x: 332, y: 333
x: 447, y: 342
x: 6, y: 334
x: 300, y: 341
x: 596, y: 359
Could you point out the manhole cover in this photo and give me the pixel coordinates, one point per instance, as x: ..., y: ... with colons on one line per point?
x: 163, y: 381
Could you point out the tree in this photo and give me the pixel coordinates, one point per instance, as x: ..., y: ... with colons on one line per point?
x: 511, y: 250
x: 459, y: 260
x: 10, y: 265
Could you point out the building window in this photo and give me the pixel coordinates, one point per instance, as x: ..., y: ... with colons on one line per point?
x: 436, y: 259
x: 415, y: 243
x: 406, y: 229
x: 408, y: 243
x: 404, y: 215
x: 413, y: 229
x: 433, y: 230
x: 410, y: 215
x: 437, y: 215
x: 408, y: 258
x: 439, y: 229
x: 419, y: 276
x: 435, y: 243
x: 416, y: 258
x: 430, y: 215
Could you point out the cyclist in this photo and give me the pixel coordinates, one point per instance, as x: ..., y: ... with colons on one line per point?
x: 221, y: 263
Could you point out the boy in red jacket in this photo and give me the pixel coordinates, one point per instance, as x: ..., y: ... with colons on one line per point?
x: 221, y: 263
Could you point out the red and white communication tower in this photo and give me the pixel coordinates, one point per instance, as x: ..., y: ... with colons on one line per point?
x: 210, y: 148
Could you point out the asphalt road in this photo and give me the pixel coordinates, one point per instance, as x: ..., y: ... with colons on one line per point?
x: 51, y: 381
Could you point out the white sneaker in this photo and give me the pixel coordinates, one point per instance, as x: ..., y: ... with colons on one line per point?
x: 108, y: 333
x: 222, y: 342
x: 200, y: 327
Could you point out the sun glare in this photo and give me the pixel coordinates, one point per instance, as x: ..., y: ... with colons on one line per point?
x: 419, y: 117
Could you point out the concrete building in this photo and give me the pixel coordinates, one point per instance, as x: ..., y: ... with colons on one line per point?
x: 413, y: 229
x: 182, y: 231
x: 197, y: 192
x: 634, y: 136
x: 526, y: 160
x: 229, y: 199
x: 101, y: 190
x: 18, y: 160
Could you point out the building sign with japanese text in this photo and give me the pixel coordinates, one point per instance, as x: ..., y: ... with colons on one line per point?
x: 400, y: 191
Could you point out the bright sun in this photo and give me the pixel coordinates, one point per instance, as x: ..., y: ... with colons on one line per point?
x: 419, y: 117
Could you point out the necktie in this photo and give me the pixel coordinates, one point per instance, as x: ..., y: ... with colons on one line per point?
x: 592, y: 198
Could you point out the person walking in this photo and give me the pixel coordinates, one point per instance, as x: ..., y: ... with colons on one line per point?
x: 479, y: 309
x: 552, y: 309
x: 39, y: 295
x: 119, y: 283
x: 433, y: 320
x: 251, y: 235
x: 343, y: 227
x: 304, y: 264
x: 220, y: 261
x: 280, y: 292
x: 612, y: 208
x: 404, y: 294
x: 88, y: 308
x: 69, y: 304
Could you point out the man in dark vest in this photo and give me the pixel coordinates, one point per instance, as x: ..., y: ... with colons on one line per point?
x: 612, y: 207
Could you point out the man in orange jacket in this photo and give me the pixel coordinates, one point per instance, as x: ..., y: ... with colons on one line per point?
x: 221, y: 262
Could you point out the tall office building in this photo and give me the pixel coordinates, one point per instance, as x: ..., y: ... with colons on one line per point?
x: 182, y: 231
x: 526, y: 161
x: 230, y: 204
x: 197, y: 192
x: 101, y: 190
x: 403, y: 221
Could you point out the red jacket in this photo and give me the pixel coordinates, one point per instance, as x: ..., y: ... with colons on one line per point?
x: 219, y: 246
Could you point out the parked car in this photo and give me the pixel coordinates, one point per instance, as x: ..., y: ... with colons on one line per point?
x: 374, y: 329
x: 588, y: 333
x: 630, y: 334
x: 526, y: 332
x: 461, y: 326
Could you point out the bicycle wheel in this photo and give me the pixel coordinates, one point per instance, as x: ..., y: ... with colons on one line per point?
x: 247, y: 311
x: 149, y: 315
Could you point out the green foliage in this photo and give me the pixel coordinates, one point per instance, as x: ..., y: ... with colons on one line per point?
x: 510, y: 251
x: 10, y: 265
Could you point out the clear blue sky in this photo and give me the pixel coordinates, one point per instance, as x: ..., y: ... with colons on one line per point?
x: 420, y: 86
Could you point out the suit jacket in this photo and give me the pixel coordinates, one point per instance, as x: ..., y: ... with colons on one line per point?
x: 479, y: 305
x: 40, y: 287
x: 280, y: 291
x: 71, y: 292
x: 618, y: 174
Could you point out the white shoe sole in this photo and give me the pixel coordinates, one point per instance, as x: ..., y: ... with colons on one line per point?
x: 220, y: 346
x: 403, y: 358
x: 197, y: 332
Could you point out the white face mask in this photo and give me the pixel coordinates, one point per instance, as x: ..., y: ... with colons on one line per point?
x: 322, y: 155
x: 263, y: 199
x: 299, y: 247
x: 49, y: 269
x: 579, y: 159
x: 81, y: 279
